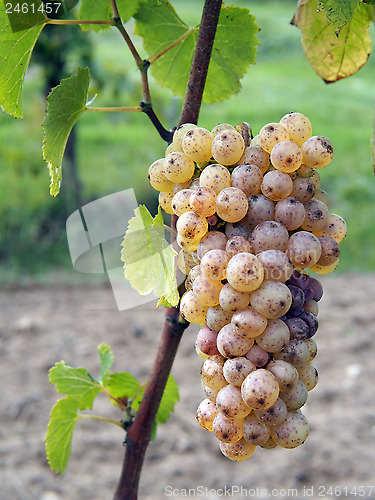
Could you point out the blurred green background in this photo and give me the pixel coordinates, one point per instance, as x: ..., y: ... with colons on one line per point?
x: 114, y: 150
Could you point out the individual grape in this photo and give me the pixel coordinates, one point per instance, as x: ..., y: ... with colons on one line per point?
x: 286, y: 374
x: 305, y: 171
x: 317, y: 268
x: 260, y: 389
x: 196, y: 144
x: 157, y: 177
x: 236, y: 229
x: 229, y: 402
x: 179, y: 186
x: 213, y: 240
x: 255, y: 141
x: 269, y: 235
x: 210, y: 393
x: 255, y: 155
x: 214, y: 264
x: 206, y: 413
x: 299, y: 329
x: 237, y: 244
x: 275, y: 336
x: 303, y: 249
x: 303, y: 189
x: 201, y: 354
x: 321, y: 195
x: 258, y: 356
x: 295, y: 397
x: 216, y: 177
x: 299, y: 279
x: 269, y: 445
x: 191, y: 309
x: 274, y: 415
x: 178, y: 167
x: 316, y: 215
x: 317, y: 288
x: 312, y: 307
x: 206, y: 341
x: 171, y: 148
x: 181, y: 201
x: 238, y: 452
x: 292, y: 432
x: 311, y: 321
x: 271, y: 134
x: 244, y: 129
x: 315, y: 177
x: 186, y: 261
x: 235, y: 370
x: 207, y: 291
x: 228, y: 147
x: 309, y: 375
x: 212, y: 221
x: 180, y: 133
x: 191, y: 226
x: 248, y: 178
x: 165, y: 201
x: 227, y: 430
x: 313, y: 349
x: 248, y: 323
x: 317, y: 152
x: 298, y: 126
x: 296, y: 352
x: 290, y: 212
x: 255, y: 432
x: 216, y: 318
x: 231, y: 343
x: 231, y: 204
x: 260, y: 209
x: 212, y: 372
x: 298, y: 299
x: 286, y: 156
x: 244, y: 272
x: 272, y: 299
x: 335, y: 227
x: 330, y: 250
x: 194, y: 184
x: 193, y: 273
x: 232, y: 300
x: 187, y: 244
x: 276, y: 265
x: 276, y: 185
x: 220, y: 128
x: 202, y: 201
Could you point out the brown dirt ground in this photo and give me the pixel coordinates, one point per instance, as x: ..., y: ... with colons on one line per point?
x: 40, y: 326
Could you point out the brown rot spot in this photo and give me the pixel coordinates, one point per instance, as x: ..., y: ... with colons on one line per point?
x: 225, y: 435
x: 318, y: 214
x: 282, y: 303
x: 261, y: 401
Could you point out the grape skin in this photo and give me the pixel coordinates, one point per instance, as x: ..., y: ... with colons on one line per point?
x: 202, y: 201
x: 207, y: 291
x: 290, y: 212
x: 214, y: 264
x: 181, y: 201
x: 276, y: 185
x: 232, y: 300
x: 206, y: 413
x: 228, y: 147
x: 255, y: 432
x: 191, y: 226
x: 212, y: 372
x: 317, y: 152
x: 286, y: 156
x: 217, y: 318
x: 206, y: 341
x: 248, y: 322
x: 244, y: 272
x: 235, y: 370
x: 157, y: 177
x: 260, y: 389
x: 269, y: 235
x: 231, y: 204
x: 276, y: 265
x: 230, y: 343
x: 271, y: 134
x: 242, y: 450
x: 298, y: 126
x: 248, y: 178
x: 275, y: 336
x: 216, y: 177
x: 295, y: 397
x: 191, y: 309
x: 303, y: 189
x: 213, y: 240
x: 260, y: 209
x: 229, y: 402
x: 292, y: 432
x: 303, y: 249
x: 285, y: 373
x: 227, y: 430
x: 196, y: 144
x: 316, y: 215
x: 178, y: 167
x: 255, y: 155
x: 272, y: 299
x: 274, y: 415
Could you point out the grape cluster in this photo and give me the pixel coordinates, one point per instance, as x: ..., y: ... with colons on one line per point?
x: 252, y: 221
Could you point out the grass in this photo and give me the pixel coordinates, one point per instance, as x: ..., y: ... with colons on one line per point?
x: 115, y: 150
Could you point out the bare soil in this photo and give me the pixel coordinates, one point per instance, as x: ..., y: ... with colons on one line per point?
x: 40, y: 326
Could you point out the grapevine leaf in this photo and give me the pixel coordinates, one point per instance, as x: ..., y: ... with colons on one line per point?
x: 76, y: 383
x: 339, y: 12
x: 333, y: 55
x: 101, y: 10
x: 65, y: 104
x: 63, y: 418
x: 234, y: 48
x: 148, y: 257
x: 121, y: 385
x: 18, y: 35
x: 106, y: 360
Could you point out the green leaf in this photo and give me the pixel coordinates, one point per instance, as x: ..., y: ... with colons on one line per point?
x: 65, y: 104
x: 18, y: 35
x: 121, y: 385
x: 106, y: 360
x: 60, y: 432
x: 234, y: 48
x: 333, y: 55
x: 75, y: 382
x: 168, y: 401
x: 101, y: 10
x: 339, y: 12
x: 148, y: 257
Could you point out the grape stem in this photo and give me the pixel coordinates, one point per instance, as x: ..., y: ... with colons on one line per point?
x: 139, y: 433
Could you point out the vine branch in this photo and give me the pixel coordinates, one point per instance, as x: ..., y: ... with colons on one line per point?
x: 139, y: 433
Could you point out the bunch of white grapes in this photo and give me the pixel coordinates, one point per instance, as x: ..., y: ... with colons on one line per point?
x: 252, y: 221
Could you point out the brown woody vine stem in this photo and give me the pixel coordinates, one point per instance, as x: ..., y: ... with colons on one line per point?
x: 139, y: 433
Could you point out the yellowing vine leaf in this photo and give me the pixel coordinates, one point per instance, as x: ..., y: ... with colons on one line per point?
x: 333, y: 55
x: 148, y: 257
